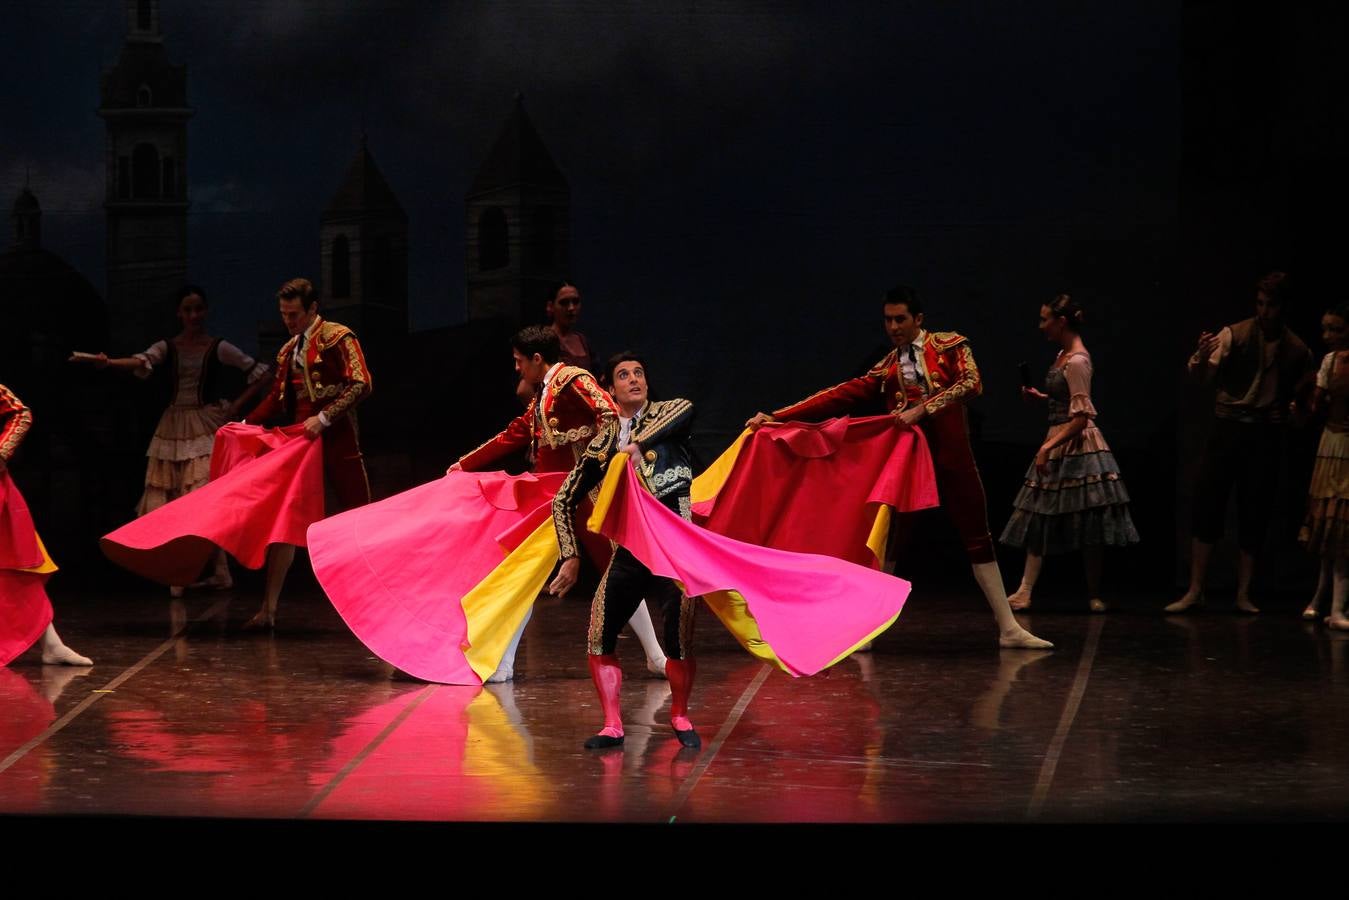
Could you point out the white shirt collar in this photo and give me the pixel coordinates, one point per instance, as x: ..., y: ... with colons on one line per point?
x: 919, y: 342
x: 637, y: 415
x: 548, y: 379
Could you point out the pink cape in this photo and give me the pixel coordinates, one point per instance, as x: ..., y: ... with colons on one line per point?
x: 810, y: 610
x: 266, y: 488
x: 25, y: 611
x: 397, y: 570
x: 818, y: 488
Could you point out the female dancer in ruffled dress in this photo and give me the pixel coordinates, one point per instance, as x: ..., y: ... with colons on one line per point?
x: 180, y: 452
x: 1073, y: 498
x: 1325, y: 531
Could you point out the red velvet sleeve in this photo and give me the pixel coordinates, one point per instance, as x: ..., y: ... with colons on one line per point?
x: 516, y: 436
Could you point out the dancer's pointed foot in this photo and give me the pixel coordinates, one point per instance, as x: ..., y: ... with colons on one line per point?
x: 1337, y: 622
x: 1191, y: 598
x: 61, y: 655
x: 683, y: 730
x: 1245, y: 605
x: 1311, y: 613
x: 1097, y: 605
x: 1020, y: 599
x: 263, y: 619
x: 215, y: 583
x: 607, y: 737
x: 505, y: 672
x: 1018, y: 638
x: 656, y: 666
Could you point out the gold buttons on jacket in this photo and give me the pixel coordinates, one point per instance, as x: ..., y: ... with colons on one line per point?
x: 553, y: 423
x: 650, y: 455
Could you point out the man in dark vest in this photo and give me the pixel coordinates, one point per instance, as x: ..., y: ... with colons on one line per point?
x: 1255, y: 365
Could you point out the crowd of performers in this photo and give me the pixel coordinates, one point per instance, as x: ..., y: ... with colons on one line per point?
x: 797, y: 572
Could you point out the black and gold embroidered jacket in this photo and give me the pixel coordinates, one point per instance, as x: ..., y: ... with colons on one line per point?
x: 661, y: 430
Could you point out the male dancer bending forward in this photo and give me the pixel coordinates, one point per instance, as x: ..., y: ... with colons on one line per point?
x: 569, y: 411
x: 655, y: 435
x: 925, y: 382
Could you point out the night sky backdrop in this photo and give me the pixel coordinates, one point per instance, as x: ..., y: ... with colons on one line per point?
x: 747, y: 177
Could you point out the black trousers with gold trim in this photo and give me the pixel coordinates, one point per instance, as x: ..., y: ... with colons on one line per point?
x: 625, y: 584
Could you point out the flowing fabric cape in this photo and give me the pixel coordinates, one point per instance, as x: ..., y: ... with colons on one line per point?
x: 402, y: 572
x: 803, y: 612
x: 266, y: 488
x: 825, y: 488
x: 437, y: 579
x: 25, y: 610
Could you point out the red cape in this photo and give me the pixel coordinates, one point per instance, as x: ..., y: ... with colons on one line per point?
x: 266, y: 488
x: 818, y: 488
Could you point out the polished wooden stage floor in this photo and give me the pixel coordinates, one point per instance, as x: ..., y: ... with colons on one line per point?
x: 1134, y: 717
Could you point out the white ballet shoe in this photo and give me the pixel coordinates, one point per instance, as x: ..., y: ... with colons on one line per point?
x: 656, y: 666
x: 503, y: 673
x: 61, y: 655
x: 1185, y: 602
x: 1019, y: 638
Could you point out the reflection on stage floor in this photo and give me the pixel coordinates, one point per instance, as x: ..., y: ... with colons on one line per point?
x: 1135, y: 716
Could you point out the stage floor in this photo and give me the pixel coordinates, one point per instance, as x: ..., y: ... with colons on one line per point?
x: 1134, y: 717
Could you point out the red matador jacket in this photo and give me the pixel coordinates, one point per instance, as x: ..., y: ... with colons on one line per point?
x: 15, y: 420
x: 952, y: 379
x: 569, y: 414
x: 333, y: 380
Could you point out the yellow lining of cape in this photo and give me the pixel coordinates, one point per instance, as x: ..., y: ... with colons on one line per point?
x: 880, y: 533
x: 47, y: 566
x: 707, y: 485
x: 497, y: 605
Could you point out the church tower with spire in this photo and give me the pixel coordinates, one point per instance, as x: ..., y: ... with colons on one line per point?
x: 363, y: 246
x: 363, y: 237
x: 518, y: 208
x: 144, y: 106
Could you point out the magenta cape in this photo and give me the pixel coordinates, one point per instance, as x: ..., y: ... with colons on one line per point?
x: 398, y: 570
x: 266, y: 488
x: 801, y: 611
x: 25, y: 611
x: 818, y: 488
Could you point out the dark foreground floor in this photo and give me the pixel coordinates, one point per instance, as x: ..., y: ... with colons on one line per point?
x: 1134, y: 717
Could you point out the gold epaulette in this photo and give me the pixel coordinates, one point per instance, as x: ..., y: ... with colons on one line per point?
x: 330, y: 333
x: 565, y: 376
x: 945, y: 340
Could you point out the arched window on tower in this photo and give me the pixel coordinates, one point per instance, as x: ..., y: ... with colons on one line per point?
x: 170, y: 178
x: 144, y: 15
x: 545, y: 238
x: 145, y: 172
x: 143, y: 96
x: 494, y: 250
x: 341, y: 266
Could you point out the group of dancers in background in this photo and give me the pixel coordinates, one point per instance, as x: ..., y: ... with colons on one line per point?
x: 1073, y: 498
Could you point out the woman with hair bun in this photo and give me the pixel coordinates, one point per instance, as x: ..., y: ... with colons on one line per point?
x: 1073, y: 498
